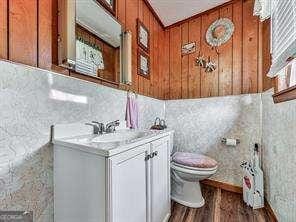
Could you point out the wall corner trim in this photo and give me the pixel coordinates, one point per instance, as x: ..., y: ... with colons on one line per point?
x: 270, y: 210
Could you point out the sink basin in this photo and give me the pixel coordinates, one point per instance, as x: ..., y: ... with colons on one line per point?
x: 118, y: 136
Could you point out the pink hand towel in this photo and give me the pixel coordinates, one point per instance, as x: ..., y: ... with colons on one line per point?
x: 132, y: 113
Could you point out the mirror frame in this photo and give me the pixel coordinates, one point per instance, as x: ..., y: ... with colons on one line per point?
x: 66, y: 39
x: 107, y: 7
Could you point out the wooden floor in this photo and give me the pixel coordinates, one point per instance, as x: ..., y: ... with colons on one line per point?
x: 220, y: 206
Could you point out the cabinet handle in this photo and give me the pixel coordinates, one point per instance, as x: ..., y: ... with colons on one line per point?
x: 148, y: 157
x: 154, y: 154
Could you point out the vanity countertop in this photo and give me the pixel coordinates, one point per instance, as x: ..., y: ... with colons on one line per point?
x: 86, y: 143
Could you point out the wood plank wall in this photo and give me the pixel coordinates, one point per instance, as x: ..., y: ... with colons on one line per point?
x: 28, y: 34
x: 241, y: 63
x: 128, y: 11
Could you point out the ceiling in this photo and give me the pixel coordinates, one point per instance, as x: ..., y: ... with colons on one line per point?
x: 172, y: 11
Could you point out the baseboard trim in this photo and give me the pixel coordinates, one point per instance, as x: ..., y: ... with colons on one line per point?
x: 223, y: 186
x: 270, y: 211
x: 237, y: 189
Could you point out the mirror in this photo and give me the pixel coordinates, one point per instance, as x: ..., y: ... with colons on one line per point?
x: 110, y: 5
x: 93, y: 42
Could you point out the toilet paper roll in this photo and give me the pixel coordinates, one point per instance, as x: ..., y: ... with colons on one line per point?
x: 231, y: 142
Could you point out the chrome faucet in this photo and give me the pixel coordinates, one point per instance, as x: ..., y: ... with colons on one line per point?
x: 100, y: 126
x: 110, y: 127
x: 96, y: 129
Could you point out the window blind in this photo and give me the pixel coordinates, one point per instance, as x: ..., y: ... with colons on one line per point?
x: 283, y: 35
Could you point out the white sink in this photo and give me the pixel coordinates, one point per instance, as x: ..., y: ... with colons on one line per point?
x: 118, y: 136
x: 80, y: 137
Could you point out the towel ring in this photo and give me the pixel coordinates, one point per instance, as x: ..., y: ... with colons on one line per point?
x: 133, y: 92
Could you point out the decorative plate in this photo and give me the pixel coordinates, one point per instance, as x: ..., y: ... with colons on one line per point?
x: 219, y: 32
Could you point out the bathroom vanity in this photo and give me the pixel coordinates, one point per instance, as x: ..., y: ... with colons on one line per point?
x: 119, y: 177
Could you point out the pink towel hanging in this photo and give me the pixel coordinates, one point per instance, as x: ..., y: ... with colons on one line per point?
x: 132, y: 111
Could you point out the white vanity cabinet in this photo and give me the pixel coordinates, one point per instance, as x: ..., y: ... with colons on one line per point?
x: 139, y: 184
x: 128, y: 180
x: 129, y: 186
x: 160, y: 180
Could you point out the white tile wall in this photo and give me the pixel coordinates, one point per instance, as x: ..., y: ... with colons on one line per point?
x: 279, y: 156
x: 32, y: 99
x: 200, y: 124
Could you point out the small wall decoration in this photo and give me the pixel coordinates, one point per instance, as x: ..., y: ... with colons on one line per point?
x: 188, y: 48
x: 201, y: 61
x: 219, y: 32
x: 208, y: 65
x: 143, y: 36
x: 143, y: 64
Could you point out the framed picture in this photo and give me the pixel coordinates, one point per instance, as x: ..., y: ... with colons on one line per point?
x: 109, y: 5
x: 188, y: 48
x: 143, y: 64
x: 143, y: 36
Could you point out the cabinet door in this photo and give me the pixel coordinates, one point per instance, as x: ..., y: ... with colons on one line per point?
x: 128, y: 179
x: 160, y: 180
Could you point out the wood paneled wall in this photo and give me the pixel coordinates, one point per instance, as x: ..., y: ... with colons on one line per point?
x: 127, y: 12
x: 26, y: 31
x: 241, y: 62
x: 28, y: 34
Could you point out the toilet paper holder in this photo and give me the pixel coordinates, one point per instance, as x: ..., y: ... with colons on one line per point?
x: 223, y: 140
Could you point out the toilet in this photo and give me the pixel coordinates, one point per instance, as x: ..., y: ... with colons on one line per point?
x: 187, y: 169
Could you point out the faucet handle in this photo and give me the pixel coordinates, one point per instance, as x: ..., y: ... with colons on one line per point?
x: 117, y: 122
x: 110, y: 127
x: 95, y: 127
x: 96, y: 122
x: 101, y: 126
x: 113, y: 123
x: 90, y: 124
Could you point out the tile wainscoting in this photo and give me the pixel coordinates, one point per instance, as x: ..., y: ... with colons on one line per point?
x: 279, y: 156
x: 200, y: 124
x: 31, y: 101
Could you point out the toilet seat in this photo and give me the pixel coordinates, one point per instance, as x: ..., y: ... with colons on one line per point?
x: 193, y: 170
x: 187, y: 170
x: 194, y: 161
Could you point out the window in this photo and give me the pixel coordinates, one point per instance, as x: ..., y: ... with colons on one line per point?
x: 286, y: 83
x: 287, y: 76
x: 283, y: 48
x: 283, y: 34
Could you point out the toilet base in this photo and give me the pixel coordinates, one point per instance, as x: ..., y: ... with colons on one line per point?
x: 188, y: 204
x: 188, y: 194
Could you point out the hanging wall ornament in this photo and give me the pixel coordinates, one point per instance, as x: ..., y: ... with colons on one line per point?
x: 201, y: 61
x: 210, y: 66
x: 219, y: 32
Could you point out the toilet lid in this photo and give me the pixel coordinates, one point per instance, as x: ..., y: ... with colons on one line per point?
x: 194, y: 160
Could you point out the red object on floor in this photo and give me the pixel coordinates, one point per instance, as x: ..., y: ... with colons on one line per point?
x: 247, y: 182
